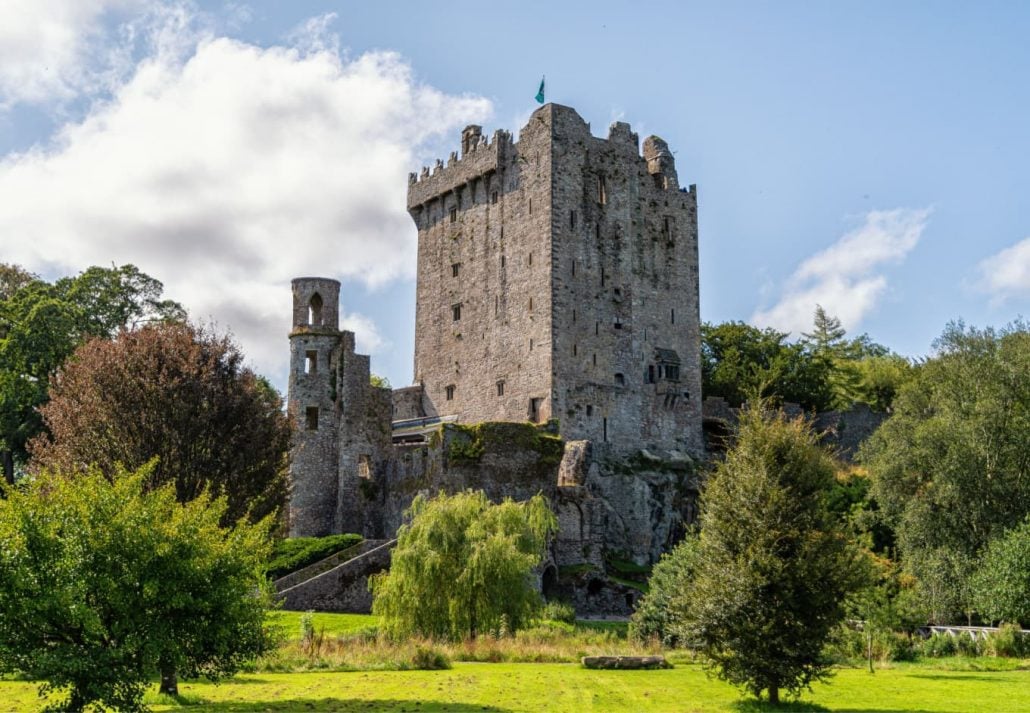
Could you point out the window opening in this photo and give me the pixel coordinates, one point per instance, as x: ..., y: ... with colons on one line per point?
x: 500, y: 388
x: 315, y: 310
x: 364, y: 466
x: 456, y: 312
x: 493, y: 197
x: 534, y: 409
x: 311, y: 418
x: 672, y: 315
x: 620, y: 380
x: 590, y: 410
x: 449, y: 392
x: 650, y: 373
x: 602, y: 190
x: 311, y: 362
x: 605, y: 427
x: 572, y: 219
x: 454, y: 215
x: 454, y: 269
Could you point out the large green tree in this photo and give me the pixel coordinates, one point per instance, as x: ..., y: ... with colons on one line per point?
x: 738, y: 361
x: 951, y: 467
x: 464, y: 566
x: 104, y: 582
x: 177, y: 393
x: 41, y: 324
x: 772, y: 567
x: 1001, y: 585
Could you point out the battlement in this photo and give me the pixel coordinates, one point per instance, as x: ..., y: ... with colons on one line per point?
x: 479, y: 157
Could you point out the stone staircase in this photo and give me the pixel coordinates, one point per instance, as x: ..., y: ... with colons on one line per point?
x: 338, y: 583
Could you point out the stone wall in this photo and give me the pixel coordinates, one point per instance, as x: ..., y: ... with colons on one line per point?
x: 343, y: 588
x: 557, y: 277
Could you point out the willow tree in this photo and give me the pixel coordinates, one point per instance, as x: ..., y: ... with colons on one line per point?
x: 463, y: 566
x: 771, y: 569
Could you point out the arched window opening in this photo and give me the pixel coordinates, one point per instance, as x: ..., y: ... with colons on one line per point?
x: 315, y: 310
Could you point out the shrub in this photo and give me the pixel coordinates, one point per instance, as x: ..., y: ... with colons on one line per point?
x: 938, y: 645
x: 430, y: 659
x: 558, y: 611
x: 1008, y: 641
x: 296, y: 553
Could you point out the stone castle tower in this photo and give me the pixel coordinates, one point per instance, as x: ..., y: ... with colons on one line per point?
x: 558, y: 278
x: 340, y: 421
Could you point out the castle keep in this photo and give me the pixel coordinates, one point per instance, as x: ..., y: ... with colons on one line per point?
x: 558, y: 278
x: 557, y: 305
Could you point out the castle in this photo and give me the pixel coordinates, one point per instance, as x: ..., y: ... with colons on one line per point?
x: 557, y: 285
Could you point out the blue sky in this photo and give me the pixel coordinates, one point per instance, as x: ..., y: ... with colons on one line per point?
x: 870, y: 156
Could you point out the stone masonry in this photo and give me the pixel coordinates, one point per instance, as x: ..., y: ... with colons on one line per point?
x: 558, y: 278
x: 557, y: 346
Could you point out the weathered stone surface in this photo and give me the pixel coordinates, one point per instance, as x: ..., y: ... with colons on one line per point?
x: 344, y: 588
x: 557, y: 278
x: 625, y: 662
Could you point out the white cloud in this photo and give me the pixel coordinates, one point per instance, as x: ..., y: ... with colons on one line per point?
x: 1006, y: 274
x: 229, y: 169
x: 55, y: 49
x: 846, y: 278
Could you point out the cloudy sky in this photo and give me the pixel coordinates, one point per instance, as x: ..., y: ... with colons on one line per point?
x: 866, y: 157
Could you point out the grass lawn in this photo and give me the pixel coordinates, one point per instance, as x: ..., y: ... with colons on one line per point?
x: 567, y: 687
x: 334, y: 624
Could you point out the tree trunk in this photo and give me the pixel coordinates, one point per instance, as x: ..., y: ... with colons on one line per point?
x: 870, y: 650
x: 8, y: 458
x: 774, y: 695
x: 169, y: 679
x: 76, y: 702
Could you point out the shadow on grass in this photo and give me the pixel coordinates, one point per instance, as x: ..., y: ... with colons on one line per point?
x: 753, y: 706
x: 340, y: 705
x: 990, y: 676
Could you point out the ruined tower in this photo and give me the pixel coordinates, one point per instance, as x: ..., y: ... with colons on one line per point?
x: 340, y: 421
x: 558, y: 278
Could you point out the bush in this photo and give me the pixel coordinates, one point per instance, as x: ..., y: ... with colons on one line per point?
x: 430, y: 659
x: 558, y: 611
x: 298, y: 552
x: 1009, y: 641
x: 938, y: 645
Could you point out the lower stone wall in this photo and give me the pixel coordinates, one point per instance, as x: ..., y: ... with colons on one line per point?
x: 343, y: 588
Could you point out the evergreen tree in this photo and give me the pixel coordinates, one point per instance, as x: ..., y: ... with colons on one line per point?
x: 772, y: 568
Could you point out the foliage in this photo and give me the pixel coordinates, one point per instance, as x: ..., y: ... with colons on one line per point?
x: 464, y: 566
x: 41, y: 324
x: 468, y: 443
x: 380, y: 382
x: 178, y: 393
x: 949, y: 468
x: 738, y: 360
x: 1001, y: 585
x: 103, y: 580
x: 670, y: 579
x: 558, y: 611
x: 772, y: 567
x: 295, y: 553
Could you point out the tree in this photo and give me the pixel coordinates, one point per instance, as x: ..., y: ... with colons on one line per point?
x: 41, y: 324
x: 1001, y: 585
x: 103, y: 582
x: 950, y: 468
x: 178, y: 393
x: 738, y: 360
x: 463, y: 566
x: 654, y: 617
x: 772, y: 568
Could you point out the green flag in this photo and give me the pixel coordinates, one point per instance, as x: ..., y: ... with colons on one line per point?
x: 540, y: 93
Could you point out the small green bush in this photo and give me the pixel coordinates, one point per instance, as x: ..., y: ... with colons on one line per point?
x: 939, y: 645
x: 1008, y: 641
x: 426, y: 658
x: 295, y: 553
x: 559, y: 611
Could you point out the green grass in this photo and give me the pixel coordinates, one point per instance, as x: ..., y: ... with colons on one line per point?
x: 334, y: 624
x: 567, y: 687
